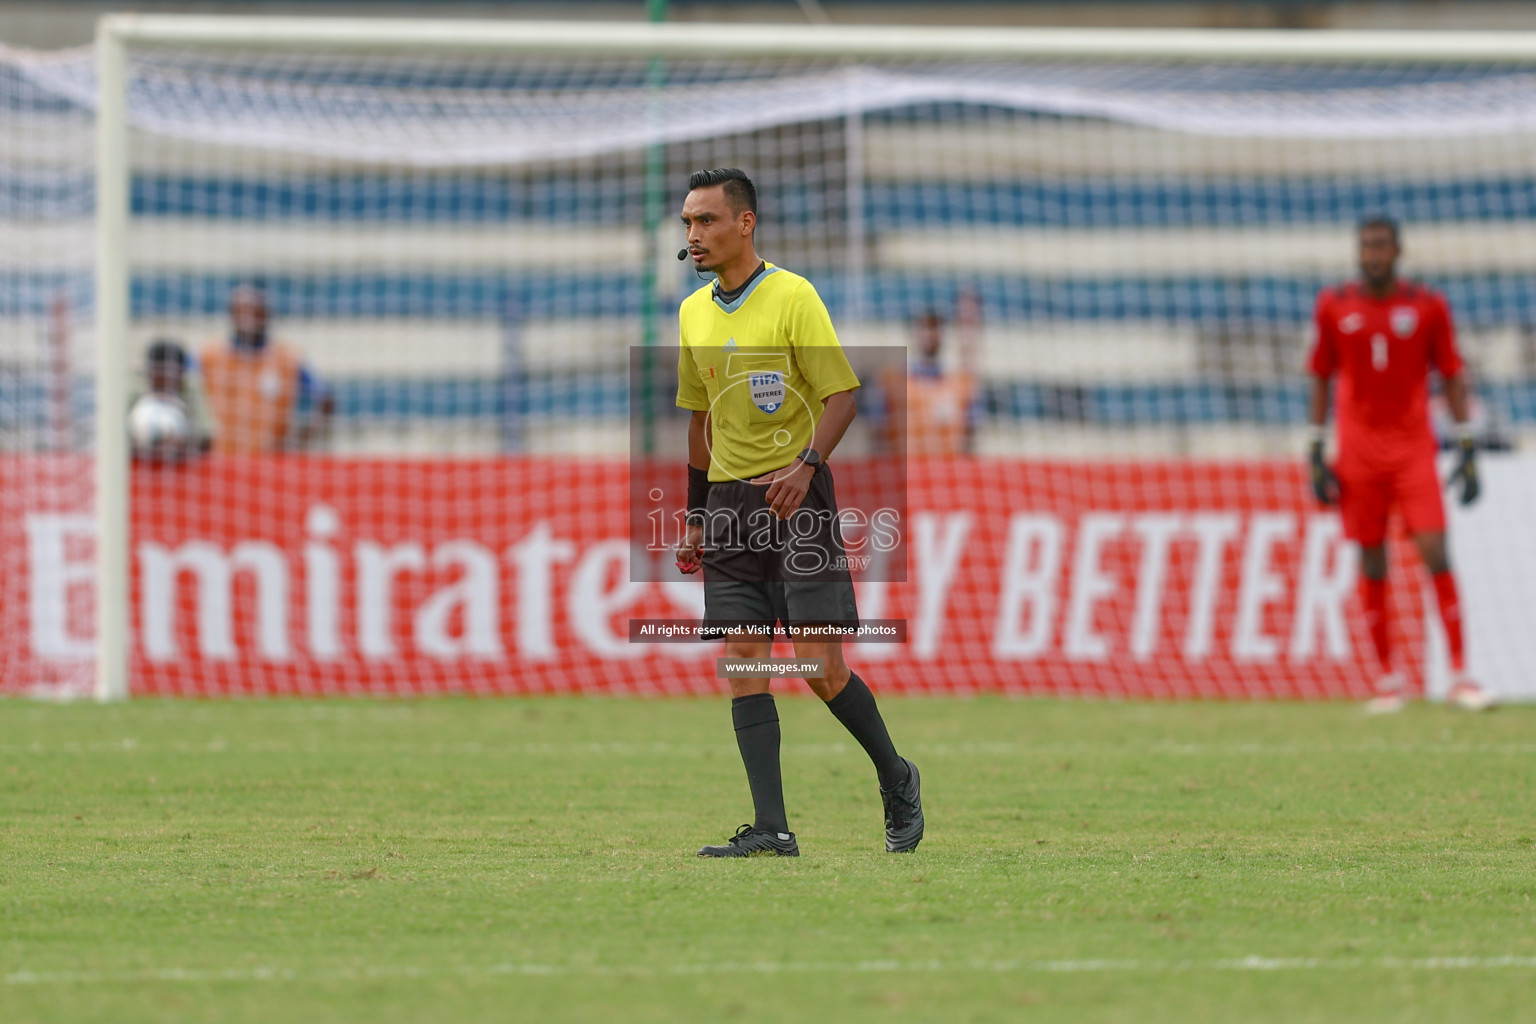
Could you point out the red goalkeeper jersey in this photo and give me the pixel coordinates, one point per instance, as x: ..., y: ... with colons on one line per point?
x: 1382, y: 351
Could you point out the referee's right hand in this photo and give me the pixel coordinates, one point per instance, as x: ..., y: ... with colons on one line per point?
x: 690, y: 550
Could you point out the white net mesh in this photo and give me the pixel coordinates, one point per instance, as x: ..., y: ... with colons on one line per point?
x: 458, y: 253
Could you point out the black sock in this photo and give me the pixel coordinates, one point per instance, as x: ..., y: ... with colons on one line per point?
x: 757, y: 736
x: 855, y: 708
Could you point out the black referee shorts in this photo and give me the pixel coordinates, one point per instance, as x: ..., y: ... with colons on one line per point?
x: 761, y: 571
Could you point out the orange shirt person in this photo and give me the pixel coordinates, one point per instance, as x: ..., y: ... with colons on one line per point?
x: 931, y: 412
x: 262, y: 395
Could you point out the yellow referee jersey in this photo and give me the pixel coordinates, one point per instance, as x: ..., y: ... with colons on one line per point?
x: 761, y: 365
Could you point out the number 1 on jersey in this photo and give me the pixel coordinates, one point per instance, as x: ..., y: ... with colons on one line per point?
x: 1379, y: 352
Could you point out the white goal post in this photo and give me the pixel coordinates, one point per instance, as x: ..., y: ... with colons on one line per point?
x: 118, y: 34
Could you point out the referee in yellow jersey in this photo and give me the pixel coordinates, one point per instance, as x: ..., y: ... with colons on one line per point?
x: 771, y: 394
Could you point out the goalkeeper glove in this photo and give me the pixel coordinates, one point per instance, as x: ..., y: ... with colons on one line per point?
x: 1465, y: 472
x: 1325, y: 485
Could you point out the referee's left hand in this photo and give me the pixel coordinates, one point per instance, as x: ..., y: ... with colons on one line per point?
x: 787, y: 487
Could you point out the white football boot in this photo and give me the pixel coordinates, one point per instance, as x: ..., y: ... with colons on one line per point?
x: 1389, y: 695
x: 1467, y: 695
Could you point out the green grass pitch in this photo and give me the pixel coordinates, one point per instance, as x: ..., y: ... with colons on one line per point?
x: 532, y: 860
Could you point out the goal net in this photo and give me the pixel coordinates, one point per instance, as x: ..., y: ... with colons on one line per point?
x: 411, y: 284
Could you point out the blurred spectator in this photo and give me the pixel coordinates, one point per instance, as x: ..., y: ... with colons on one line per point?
x: 264, y: 397
x: 168, y: 372
x: 932, y: 412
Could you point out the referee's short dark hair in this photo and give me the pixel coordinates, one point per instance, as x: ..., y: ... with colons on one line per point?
x: 739, y: 190
x: 1381, y: 220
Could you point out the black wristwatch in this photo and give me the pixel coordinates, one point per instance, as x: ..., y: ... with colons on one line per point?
x: 811, y: 457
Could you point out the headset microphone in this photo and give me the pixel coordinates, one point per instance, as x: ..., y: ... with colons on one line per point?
x: 682, y: 254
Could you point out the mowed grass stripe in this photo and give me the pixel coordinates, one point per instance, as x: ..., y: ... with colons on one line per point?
x: 290, y: 974
x: 132, y: 745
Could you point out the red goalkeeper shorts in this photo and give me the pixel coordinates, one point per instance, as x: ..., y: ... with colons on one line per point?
x: 1367, y: 497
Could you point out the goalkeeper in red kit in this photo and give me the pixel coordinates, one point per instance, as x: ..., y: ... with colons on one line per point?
x: 1381, y: 336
